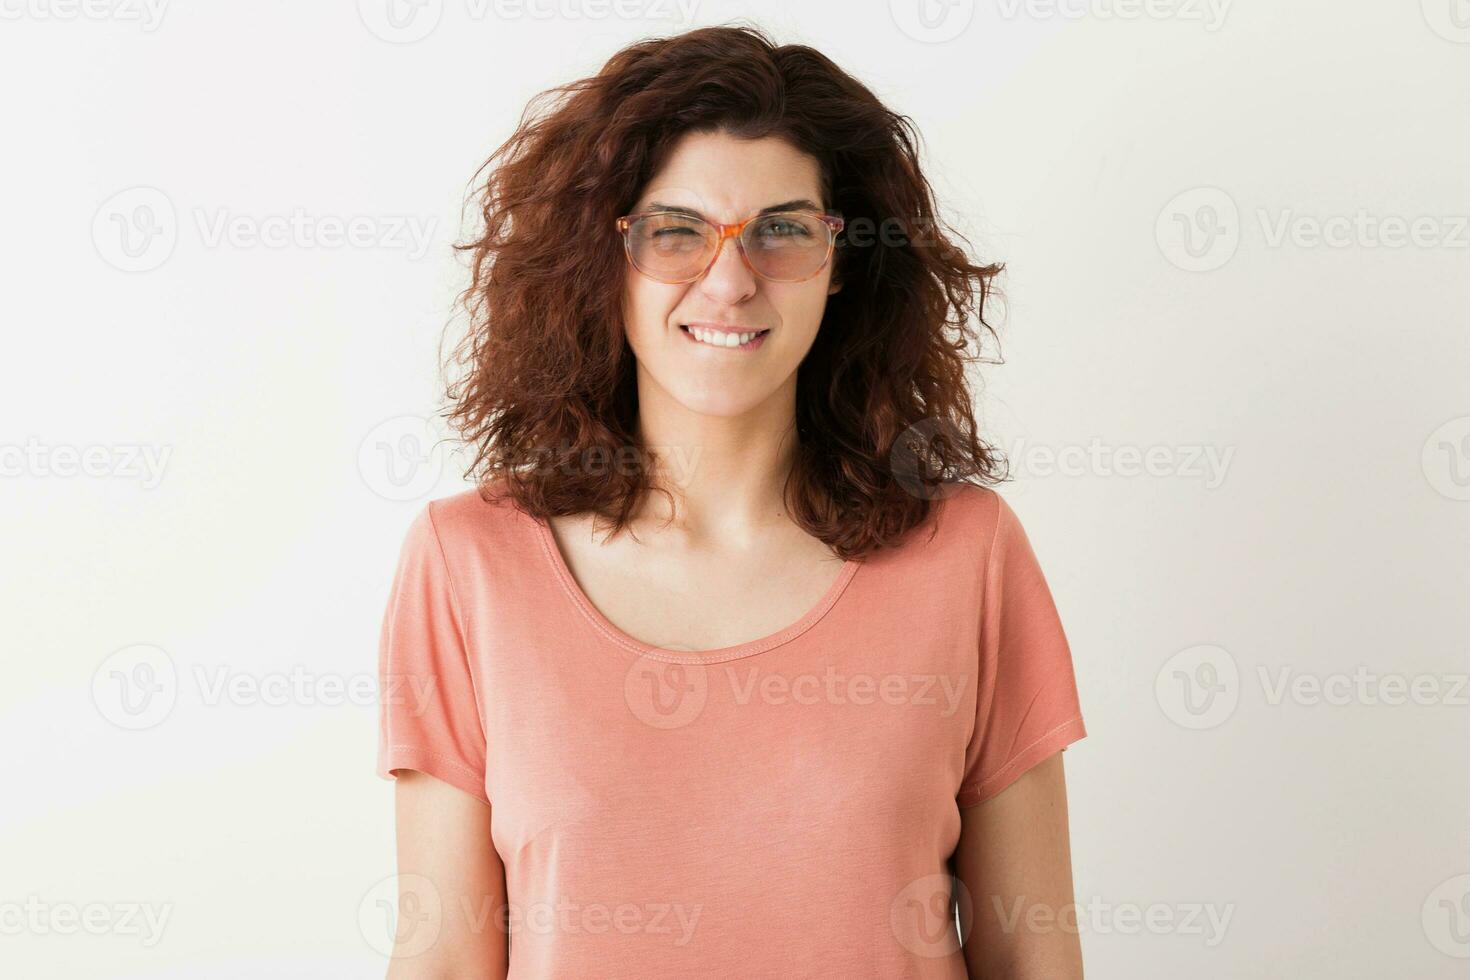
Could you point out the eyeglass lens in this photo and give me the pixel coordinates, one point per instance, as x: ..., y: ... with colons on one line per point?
x: 785, y: 246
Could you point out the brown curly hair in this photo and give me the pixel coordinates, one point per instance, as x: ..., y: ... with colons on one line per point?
x: 546, y: 396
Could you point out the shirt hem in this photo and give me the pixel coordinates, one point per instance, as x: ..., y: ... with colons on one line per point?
x: 424, y: 760
x: 1042, y: 748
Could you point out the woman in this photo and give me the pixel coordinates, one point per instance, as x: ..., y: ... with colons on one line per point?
x: 732, y: 666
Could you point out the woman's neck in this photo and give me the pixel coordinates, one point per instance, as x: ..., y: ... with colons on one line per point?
x: 726, y: 474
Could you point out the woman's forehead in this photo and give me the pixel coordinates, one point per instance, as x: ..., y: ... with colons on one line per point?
x: 723, y: 177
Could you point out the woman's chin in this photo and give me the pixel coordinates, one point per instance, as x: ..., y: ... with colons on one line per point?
x: 718, y: 401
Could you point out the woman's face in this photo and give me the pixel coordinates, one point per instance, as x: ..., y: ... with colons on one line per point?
x: 725, y: 179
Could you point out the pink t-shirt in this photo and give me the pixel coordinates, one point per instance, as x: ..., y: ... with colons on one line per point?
x: 780, y: 808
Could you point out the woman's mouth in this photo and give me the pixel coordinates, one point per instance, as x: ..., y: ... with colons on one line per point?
x: 744, y: 340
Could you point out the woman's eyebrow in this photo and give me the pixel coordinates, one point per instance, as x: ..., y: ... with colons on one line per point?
x: 800, y: 204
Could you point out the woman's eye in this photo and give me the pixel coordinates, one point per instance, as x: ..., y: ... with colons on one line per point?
x: 783, y: 229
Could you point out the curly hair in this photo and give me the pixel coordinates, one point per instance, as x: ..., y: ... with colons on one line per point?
x: 546, y: 397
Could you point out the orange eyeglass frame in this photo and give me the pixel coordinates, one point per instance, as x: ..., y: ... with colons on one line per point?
x: 833, y: 221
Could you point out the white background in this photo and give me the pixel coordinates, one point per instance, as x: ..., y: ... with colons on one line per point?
x: 1133, y: 172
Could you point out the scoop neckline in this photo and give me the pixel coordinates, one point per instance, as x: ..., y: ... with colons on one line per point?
x: 616, y: 635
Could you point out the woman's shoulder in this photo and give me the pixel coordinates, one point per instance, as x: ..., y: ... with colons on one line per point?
x: 486, y: 501
x: 956, y: 533
x: 977, y: 520
x: 478, y: 519
x: 969, y: 510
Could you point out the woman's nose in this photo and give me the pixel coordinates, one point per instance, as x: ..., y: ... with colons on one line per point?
x: 729, y: 278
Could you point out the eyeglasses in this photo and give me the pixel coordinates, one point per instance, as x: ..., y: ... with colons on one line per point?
x: 678, y: 247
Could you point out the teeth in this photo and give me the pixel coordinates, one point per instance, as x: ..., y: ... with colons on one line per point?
x: 718, y: 338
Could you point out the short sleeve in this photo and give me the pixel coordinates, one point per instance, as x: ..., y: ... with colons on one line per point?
x: 429, y: 716
x: 1026, y: 701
